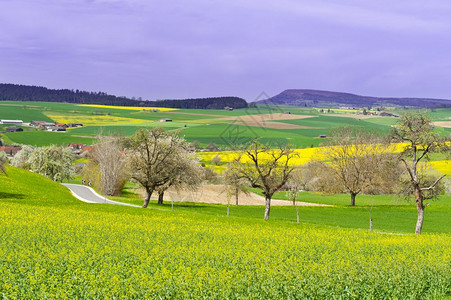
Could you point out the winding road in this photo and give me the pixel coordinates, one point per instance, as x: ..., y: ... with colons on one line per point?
x: 88, y: 195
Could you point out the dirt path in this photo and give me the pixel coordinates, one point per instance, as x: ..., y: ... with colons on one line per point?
x: 216, y: 194
x: 446, y: 124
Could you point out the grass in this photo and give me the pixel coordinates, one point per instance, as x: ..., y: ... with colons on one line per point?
x: 205, y: 126
x: 21, y: 112
x: 24, y: 187
x: 45, y: 138
x: 54, y: 246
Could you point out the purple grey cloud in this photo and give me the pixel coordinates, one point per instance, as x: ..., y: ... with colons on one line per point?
x: 178, y: 49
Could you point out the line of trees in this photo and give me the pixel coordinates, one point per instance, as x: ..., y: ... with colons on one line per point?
x: 16, y: 92
x: 354, y: 162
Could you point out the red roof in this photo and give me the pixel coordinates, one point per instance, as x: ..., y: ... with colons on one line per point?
x: 10, y: 149
x: 87, y: 148
x: 76, y: 145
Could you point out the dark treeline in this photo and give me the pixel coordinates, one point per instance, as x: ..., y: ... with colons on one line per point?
x: 16, y: 92
x: 204, y: 103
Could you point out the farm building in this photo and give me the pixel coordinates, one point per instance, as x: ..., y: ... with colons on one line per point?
x: 11, y: 122
x: 61, y: 125
x: 37, y: 123
x: 165, y: 120
x: 74, y: 125
x: 54, y: 128
x: 10, y: 150
x: 76, y: 147
x: 13, y: 129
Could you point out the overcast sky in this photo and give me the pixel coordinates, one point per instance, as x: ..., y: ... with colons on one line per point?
x: 200, y: 48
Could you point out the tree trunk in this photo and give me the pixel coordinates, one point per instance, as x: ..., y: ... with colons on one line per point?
x: 147, y: 199
x: 420, y: 209
x: 267, y: 206
x: 160, y: 198
x: 353, y: 199
x: 236, y: 196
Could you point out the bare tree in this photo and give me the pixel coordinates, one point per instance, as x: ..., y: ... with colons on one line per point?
x: 295, y: 183
x: 234, y: 183
x: 417, y: 132
x: 356, y: 159
x: 150, y: 158
x: 267, y: 169
x: 216, y: 159
x: 108, y: 154
x: 186, y: 174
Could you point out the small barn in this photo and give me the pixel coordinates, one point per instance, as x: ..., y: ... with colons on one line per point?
x: 165, y: 120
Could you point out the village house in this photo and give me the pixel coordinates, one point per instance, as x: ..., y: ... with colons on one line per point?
x: 76, y: 147
x: 10, y: 150
x: 61, y: 125
x: 37, y: 123
x: 87, y: 149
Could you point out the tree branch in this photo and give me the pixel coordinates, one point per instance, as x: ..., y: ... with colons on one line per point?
x: 434, y: 184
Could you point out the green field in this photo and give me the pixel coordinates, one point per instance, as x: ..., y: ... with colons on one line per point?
x: 204, y: 126
x: 54, y: 246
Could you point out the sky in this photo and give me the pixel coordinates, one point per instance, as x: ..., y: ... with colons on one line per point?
x: 204, y: 48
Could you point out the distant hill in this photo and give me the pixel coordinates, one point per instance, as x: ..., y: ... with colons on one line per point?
x: 16, y: 92
x: 304, y: 97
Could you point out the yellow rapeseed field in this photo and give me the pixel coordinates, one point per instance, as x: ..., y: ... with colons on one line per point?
x: 53, y: 246
x: 128, y: 107
x: 94, y: 120
x: 93, y: 251
x: 442, y: 166
x: 303, y: 155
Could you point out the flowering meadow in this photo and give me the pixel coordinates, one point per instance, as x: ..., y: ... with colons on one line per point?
x: 58, y: 247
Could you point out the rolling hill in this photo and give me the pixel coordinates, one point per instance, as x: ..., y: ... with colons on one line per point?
x: 306, y: 97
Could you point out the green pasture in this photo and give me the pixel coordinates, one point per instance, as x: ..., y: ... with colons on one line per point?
x: 45, y: 138
x: 389, y: 214
x: 229, y: 135
x: 205, y: 126
x: 20, y: 112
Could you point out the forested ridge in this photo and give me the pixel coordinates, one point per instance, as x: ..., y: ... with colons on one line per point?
x: 16, y: 92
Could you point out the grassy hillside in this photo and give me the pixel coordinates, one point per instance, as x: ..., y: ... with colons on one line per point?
x: 24, y: 187
x: 54, y: 247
